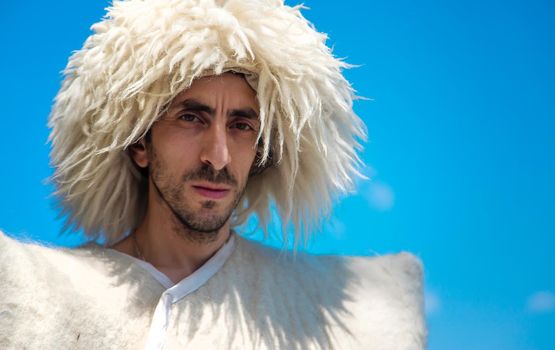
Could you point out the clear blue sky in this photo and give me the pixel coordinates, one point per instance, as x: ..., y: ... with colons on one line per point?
x: 461, y: 126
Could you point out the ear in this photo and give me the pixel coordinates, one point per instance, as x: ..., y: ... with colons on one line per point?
x: 139, y: 154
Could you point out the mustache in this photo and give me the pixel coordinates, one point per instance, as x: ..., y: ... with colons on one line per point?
x: 207, y: 173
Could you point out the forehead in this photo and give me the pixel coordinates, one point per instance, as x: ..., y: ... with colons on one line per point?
x: 228, y: 88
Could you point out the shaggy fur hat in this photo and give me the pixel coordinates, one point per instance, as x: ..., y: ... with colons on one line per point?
x: 144, y: 52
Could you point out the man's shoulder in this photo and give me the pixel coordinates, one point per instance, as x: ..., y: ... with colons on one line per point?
x: 71, y: 294
x: 25, y: 252
x: 397, y: 274
x: 31, y: 251
x: 395, y: 267
x: 81, y: 267
x: 376, y: 299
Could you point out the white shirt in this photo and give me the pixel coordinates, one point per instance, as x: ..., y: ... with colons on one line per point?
x: 176, y: 292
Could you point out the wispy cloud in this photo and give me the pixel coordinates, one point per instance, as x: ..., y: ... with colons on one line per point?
x: 541, y: 302
x: 432, y: 303
x: 379, y: 195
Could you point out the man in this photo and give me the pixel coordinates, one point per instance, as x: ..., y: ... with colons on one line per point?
x: 199, y: 156
x: 177, y: 122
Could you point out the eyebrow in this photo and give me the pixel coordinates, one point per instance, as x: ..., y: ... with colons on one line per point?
x: 196, y: 106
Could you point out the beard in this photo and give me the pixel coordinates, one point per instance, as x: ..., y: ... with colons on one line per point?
x: 197, y: 225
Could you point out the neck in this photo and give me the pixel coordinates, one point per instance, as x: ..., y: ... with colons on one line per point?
x: 160, y: 241
x: 172, y: 252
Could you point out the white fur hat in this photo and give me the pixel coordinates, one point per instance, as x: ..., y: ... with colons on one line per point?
x: 144, y: 52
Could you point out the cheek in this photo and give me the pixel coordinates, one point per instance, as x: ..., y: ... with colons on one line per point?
x: 179, y: 150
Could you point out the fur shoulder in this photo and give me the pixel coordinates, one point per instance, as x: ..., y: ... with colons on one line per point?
x: 388, y: 299
x: 363, y: 302
x: 72, y: 295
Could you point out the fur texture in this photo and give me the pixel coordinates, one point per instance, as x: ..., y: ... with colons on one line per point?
x: 95, y: 298
x: 144, y: 52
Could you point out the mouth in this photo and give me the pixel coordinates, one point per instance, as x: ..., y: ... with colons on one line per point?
x: 211, y: 191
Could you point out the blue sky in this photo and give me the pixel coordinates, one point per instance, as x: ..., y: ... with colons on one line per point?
x: 460, y: 153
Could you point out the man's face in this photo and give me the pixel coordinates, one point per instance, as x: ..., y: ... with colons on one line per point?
x: 201, y: 151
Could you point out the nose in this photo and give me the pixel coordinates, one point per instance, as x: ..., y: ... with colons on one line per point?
x: 215, y: 151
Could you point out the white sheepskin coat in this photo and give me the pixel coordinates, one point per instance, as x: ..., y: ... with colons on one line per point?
x: 96, y: 298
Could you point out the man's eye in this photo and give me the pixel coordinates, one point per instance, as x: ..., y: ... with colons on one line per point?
x: 188, y: 117
x: 242, y: 126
